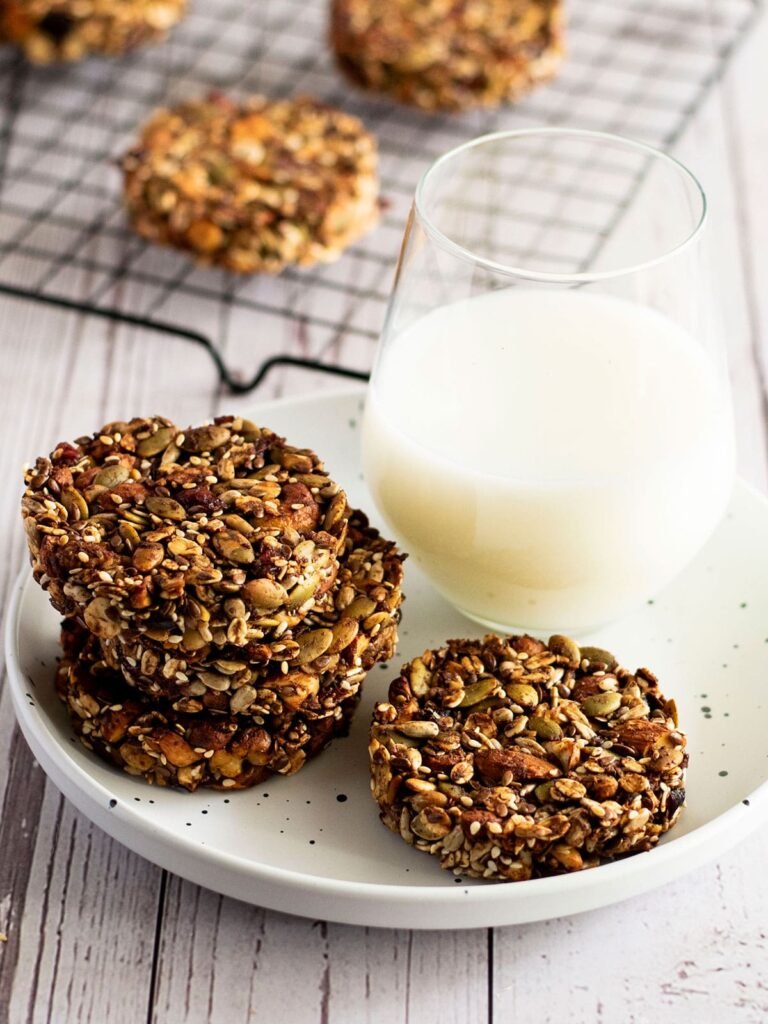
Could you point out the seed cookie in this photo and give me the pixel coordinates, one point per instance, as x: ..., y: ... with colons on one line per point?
x: 167, y: 747
x: 510, y: 759
x: 191, y: 538
x: 69, y: 30
x: 254, y: 186
x: 447, y: 56
x: 351, y: 628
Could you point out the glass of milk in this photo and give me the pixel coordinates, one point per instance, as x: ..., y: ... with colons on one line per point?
x: 548, y: 428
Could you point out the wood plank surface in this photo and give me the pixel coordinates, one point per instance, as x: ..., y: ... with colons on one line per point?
x: 95, y: 935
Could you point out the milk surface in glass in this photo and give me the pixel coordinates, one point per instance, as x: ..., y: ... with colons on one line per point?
x: 550, y: 460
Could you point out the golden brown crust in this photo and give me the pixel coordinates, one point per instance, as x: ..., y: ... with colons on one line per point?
x: 253, y: 186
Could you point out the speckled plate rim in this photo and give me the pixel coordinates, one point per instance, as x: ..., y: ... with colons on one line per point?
x: 363, y: 903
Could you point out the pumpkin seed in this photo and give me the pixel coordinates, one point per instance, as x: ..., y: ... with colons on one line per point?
x: 337, y: 512
x: 313, y: 644
x: 75, y: 504
x: 360, y: 608
x: 344, y: 632
x: 600, y: 705
x: 312, y: 479
x: 214, y: 681
x: 239, y: 525
x: 478, y: 691
x: 523, y: 694
x: 542, y: 791
x: 566, y: 648
x: 303, y: 591
x: 136, y: 516
x: 159, y: 634
x: 234, y: 547
x: 184, y: 547
x: 112, y: 476
x: 156, y: 442
x: 264, y: 594
x: 598, y: 655
x: 296, y: 461
x: 242, y: 699
x: 205, y: 439
x: 431, y: 823
x: 249, y: 430
x: 101, y: 618
x: 170, y: 456
x: 230, y: 668
x: 147, y: 557
x: 261, y: 488
x: 130, y: 535
x: 304, y: 551
x: 165, y: 508
x: 545, y: 728
x: 193, y: 640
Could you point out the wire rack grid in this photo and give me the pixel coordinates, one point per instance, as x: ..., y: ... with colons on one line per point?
x: 637, y: 67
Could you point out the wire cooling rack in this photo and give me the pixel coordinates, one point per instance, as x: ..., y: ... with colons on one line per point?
x: 637, y: 67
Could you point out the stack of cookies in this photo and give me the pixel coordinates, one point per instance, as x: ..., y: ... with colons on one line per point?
x: 222, y: 602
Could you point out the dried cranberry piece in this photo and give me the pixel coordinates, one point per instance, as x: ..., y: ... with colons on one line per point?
x: 66, y: 454
x: 200, y: 497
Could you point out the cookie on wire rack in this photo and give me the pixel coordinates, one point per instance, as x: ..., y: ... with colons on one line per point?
x: 253, y: 186
x: 448, y: 56
x: 192, y: 538
x: 510, y: 759
x: 48, y: 31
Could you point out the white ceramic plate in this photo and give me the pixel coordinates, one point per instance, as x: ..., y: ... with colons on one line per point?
x: 313, y: 845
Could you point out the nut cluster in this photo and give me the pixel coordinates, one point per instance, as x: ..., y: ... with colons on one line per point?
x: 218, y: 573
x: 513, y: 759
x: 69, y: 30
x: 254, y: 186
x: 442, y: 55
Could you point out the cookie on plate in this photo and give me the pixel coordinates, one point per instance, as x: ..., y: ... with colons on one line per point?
x: 349, y: 629
x: 254, y: 186
x: 167, y: 747
x: 510, y: 759
x: 193, y: 538
x: 448, y: 56
x: 69, y: 30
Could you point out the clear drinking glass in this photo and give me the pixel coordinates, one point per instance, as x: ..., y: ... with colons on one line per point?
x: 548, y: 428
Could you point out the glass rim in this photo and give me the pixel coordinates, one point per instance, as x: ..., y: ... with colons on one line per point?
x: 577, y: 277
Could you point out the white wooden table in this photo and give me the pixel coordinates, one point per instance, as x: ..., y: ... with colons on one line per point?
x: 92, y: 933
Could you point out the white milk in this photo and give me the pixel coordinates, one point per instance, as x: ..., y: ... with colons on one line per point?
x: 549, y: 459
